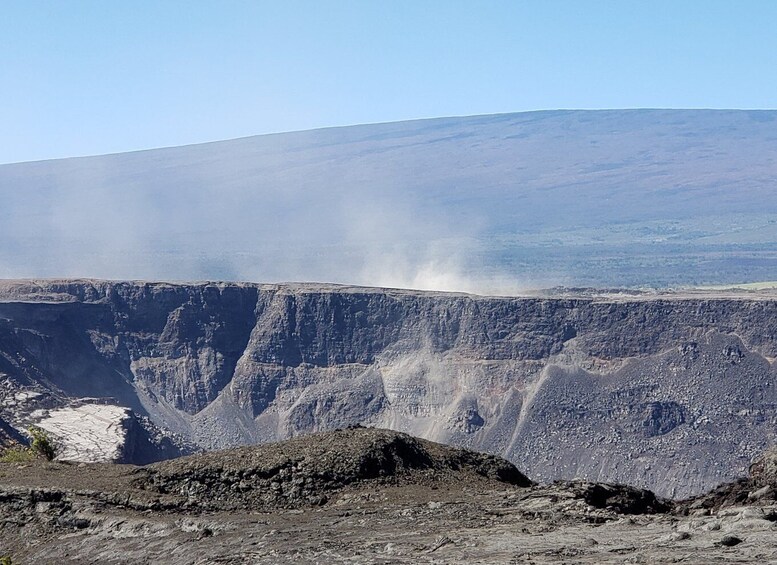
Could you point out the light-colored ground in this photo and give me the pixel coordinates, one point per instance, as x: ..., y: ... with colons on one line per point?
x: 744, y: 286
x: 88, y: 433
x: 388, y: 525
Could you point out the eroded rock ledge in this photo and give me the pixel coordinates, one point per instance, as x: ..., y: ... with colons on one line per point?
x: 669, y: 391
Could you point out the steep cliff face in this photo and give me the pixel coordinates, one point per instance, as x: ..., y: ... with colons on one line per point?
x: 675, y: 393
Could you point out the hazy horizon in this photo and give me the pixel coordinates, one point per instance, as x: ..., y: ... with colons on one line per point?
x: 413, y: 144
x: 486, y: 204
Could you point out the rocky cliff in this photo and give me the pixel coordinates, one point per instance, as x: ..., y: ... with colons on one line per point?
x: 675, y: 392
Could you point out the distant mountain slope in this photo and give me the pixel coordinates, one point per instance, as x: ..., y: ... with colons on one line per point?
x: 484, y: 203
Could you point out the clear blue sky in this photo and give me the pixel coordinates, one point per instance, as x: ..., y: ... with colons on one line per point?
x: 80, y: 78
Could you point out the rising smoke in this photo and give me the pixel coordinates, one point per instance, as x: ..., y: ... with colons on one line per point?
x: 490, y: 204
x: 232, y: 211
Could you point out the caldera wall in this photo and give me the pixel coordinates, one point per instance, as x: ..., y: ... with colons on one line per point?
x: 674, y: 393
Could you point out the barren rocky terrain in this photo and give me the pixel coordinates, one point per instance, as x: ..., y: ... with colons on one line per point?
x: 671, y: 391
x: 366, y: 496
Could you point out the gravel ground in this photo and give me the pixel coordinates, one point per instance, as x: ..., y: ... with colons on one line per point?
x: 448, y: 510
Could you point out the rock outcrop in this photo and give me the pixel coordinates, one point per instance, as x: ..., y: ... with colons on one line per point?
x: 335, y: 490
x: 309, y: 469
x: 758, y: 488
x: 9, y: 436
x: 673, y: 392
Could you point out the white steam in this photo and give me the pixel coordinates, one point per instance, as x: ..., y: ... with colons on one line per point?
x: 489, y: 205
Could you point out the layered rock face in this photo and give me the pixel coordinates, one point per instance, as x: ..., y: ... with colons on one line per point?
x: 671, y: 392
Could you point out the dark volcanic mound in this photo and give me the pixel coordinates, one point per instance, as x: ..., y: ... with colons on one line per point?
x: 622, y: 499
x: 306, y: 469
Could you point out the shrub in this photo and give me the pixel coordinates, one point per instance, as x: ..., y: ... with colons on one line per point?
x: 41, y: 443
x: 41, y: 446
x: 17, y: 454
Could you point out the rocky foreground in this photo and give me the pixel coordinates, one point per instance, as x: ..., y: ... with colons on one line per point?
x: 366, y: 496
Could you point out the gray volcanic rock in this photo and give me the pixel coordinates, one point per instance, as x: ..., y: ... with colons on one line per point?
x: 764, y: 471
x: 673, y: 392
x: 359, y: 496
x: 759, y: 488
x: 308, y: 469
x: 9, y: 436
x: 236, y: 505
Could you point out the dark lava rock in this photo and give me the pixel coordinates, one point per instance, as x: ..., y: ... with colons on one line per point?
x: 730, y: 541
x: 728, y: 494
x: 301, y: 470
x: 620, y: 498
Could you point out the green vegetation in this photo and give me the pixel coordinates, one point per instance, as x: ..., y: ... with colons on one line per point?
x: 42, y: 444
x: 6, y: 560
x: 18, y: 454
x: 41, y: 447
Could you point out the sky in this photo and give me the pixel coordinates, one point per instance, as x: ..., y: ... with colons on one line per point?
x: 95, y: 77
